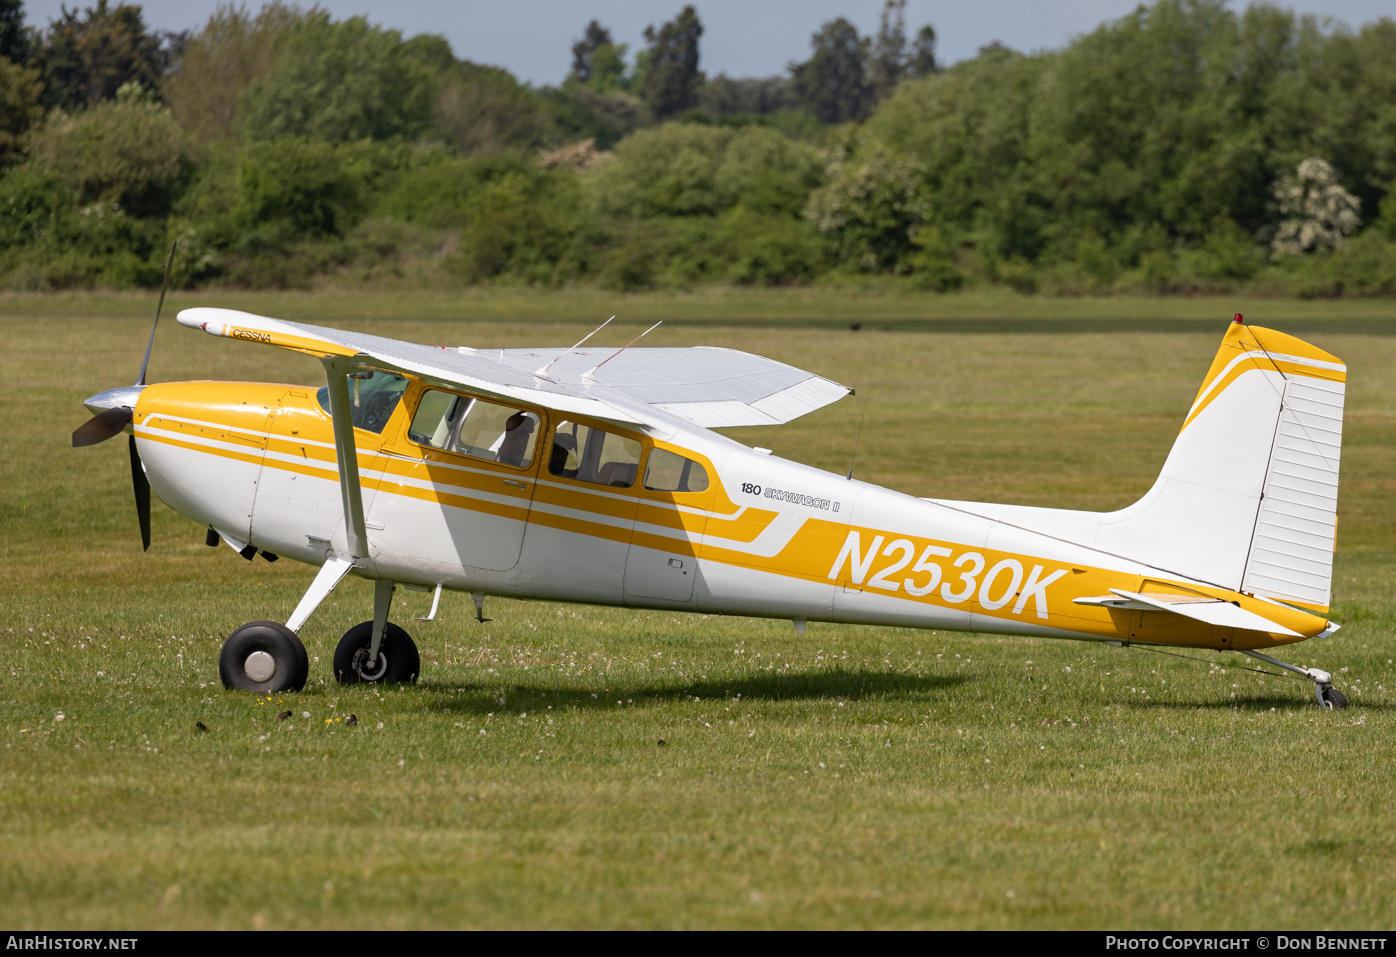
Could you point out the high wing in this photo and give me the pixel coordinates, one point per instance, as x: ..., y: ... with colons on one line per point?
x: 707, y: 387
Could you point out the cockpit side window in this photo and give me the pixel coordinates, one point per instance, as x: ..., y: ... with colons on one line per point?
x: 474, y: 427
x: 669, y: 472
x: 593, y: 455
x: 373, y: 397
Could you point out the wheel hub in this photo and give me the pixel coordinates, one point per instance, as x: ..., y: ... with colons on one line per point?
x: 259, y: 666
x: 363, y: 669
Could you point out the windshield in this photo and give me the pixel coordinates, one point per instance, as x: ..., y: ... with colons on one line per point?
x: 373, y: 396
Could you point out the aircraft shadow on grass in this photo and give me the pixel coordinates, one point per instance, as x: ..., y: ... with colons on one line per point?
x: 1300, y: 699
x: 794, y: 686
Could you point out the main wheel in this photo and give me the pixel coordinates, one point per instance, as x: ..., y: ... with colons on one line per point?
x: 263, y: 656
x: 397, y: 662
x: 1333, y: 698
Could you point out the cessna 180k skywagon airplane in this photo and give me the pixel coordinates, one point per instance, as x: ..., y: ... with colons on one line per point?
x: 568, y: 475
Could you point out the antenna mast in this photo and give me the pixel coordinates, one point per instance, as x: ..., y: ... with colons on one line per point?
x: 590, y: 374
x: 543, y: 372
x: 858, y: 435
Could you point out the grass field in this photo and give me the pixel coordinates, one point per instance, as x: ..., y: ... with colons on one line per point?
x: 855, y: 777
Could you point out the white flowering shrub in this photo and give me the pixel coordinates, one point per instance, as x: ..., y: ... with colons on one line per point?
x: 871, y: 202
x: 1318, y: 213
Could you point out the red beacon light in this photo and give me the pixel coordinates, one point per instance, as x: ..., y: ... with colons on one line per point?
x: 1237, y: 318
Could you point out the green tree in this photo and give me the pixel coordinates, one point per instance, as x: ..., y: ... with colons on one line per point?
x: 833, y: 83
x: 219, y: 62
x: 20, y: 93
x: 887, y: 56
x: 921, y: 61
x: 340, y: 82
x: 580, y: 112
x: 725, y: 96
x: 584, y: 50
x: 14, y: 35
x: 86, y: 57
x: 670, y: 78
x: 967, y: 131
x: 483, y: 109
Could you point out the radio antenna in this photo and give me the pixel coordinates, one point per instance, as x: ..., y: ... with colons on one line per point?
x: 543, y: 372
x: 858, y: 435
x: 591, y: 373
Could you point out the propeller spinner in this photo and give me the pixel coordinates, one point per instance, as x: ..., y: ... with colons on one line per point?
x: 114, y: 410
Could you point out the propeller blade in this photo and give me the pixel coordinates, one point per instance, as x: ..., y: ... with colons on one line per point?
x: 102, y: 426
x: 140, y: 380
x: 142, y: 485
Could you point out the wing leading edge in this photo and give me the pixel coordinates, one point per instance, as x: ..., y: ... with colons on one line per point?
x: 706, y: 387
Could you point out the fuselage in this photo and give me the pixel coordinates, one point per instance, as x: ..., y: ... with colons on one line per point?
x: 765, y: 537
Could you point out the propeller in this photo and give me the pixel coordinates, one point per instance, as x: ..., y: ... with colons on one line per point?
x: 142, y: 487
x: 117, y: 411
x: 102, y: 426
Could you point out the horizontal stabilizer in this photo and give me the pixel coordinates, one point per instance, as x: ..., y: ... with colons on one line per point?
x: 1213, y: 611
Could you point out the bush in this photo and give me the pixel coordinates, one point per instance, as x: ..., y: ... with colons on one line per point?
x: 686, y: 169
x: 296, y: 188
x: 130, y: 152
x: 871, y: 205
x: 438, y: 189
x: 516, y: 224
x: 773, y: 250
x: 31, y: 200
x: 1363, y: 266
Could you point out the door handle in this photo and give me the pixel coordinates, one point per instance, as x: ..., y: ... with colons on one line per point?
x: 515, y: 484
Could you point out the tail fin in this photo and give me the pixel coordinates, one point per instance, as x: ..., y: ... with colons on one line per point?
x: 1248, y: 496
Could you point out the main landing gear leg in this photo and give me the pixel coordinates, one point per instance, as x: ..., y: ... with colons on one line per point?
x: 382, y: 604
x: 1328, y: 696
x: 377, y: 650
x: 267, y: 657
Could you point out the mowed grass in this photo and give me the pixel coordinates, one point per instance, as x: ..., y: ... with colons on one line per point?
x: 853, y: 777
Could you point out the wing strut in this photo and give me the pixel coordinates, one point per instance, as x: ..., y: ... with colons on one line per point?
x: 341, y: 412
x: 331, y: 574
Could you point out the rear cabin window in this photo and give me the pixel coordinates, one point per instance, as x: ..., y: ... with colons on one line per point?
x: 474, y: 427
x: 373, y: 397
x: 593, y: 455
x: 668, y: 472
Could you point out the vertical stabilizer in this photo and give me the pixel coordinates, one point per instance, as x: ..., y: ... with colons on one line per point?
x: 1248, y: 496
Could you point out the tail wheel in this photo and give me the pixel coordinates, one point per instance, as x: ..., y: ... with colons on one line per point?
x: 397, y: 661
x: 1332, y: 698
x: 263, y: 656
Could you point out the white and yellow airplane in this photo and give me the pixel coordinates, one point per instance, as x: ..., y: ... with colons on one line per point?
x: 583, y: 476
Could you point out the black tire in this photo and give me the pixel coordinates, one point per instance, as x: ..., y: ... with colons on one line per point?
x: 1335, y: 699
x: 289, y: 663
x: 398, y: 661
